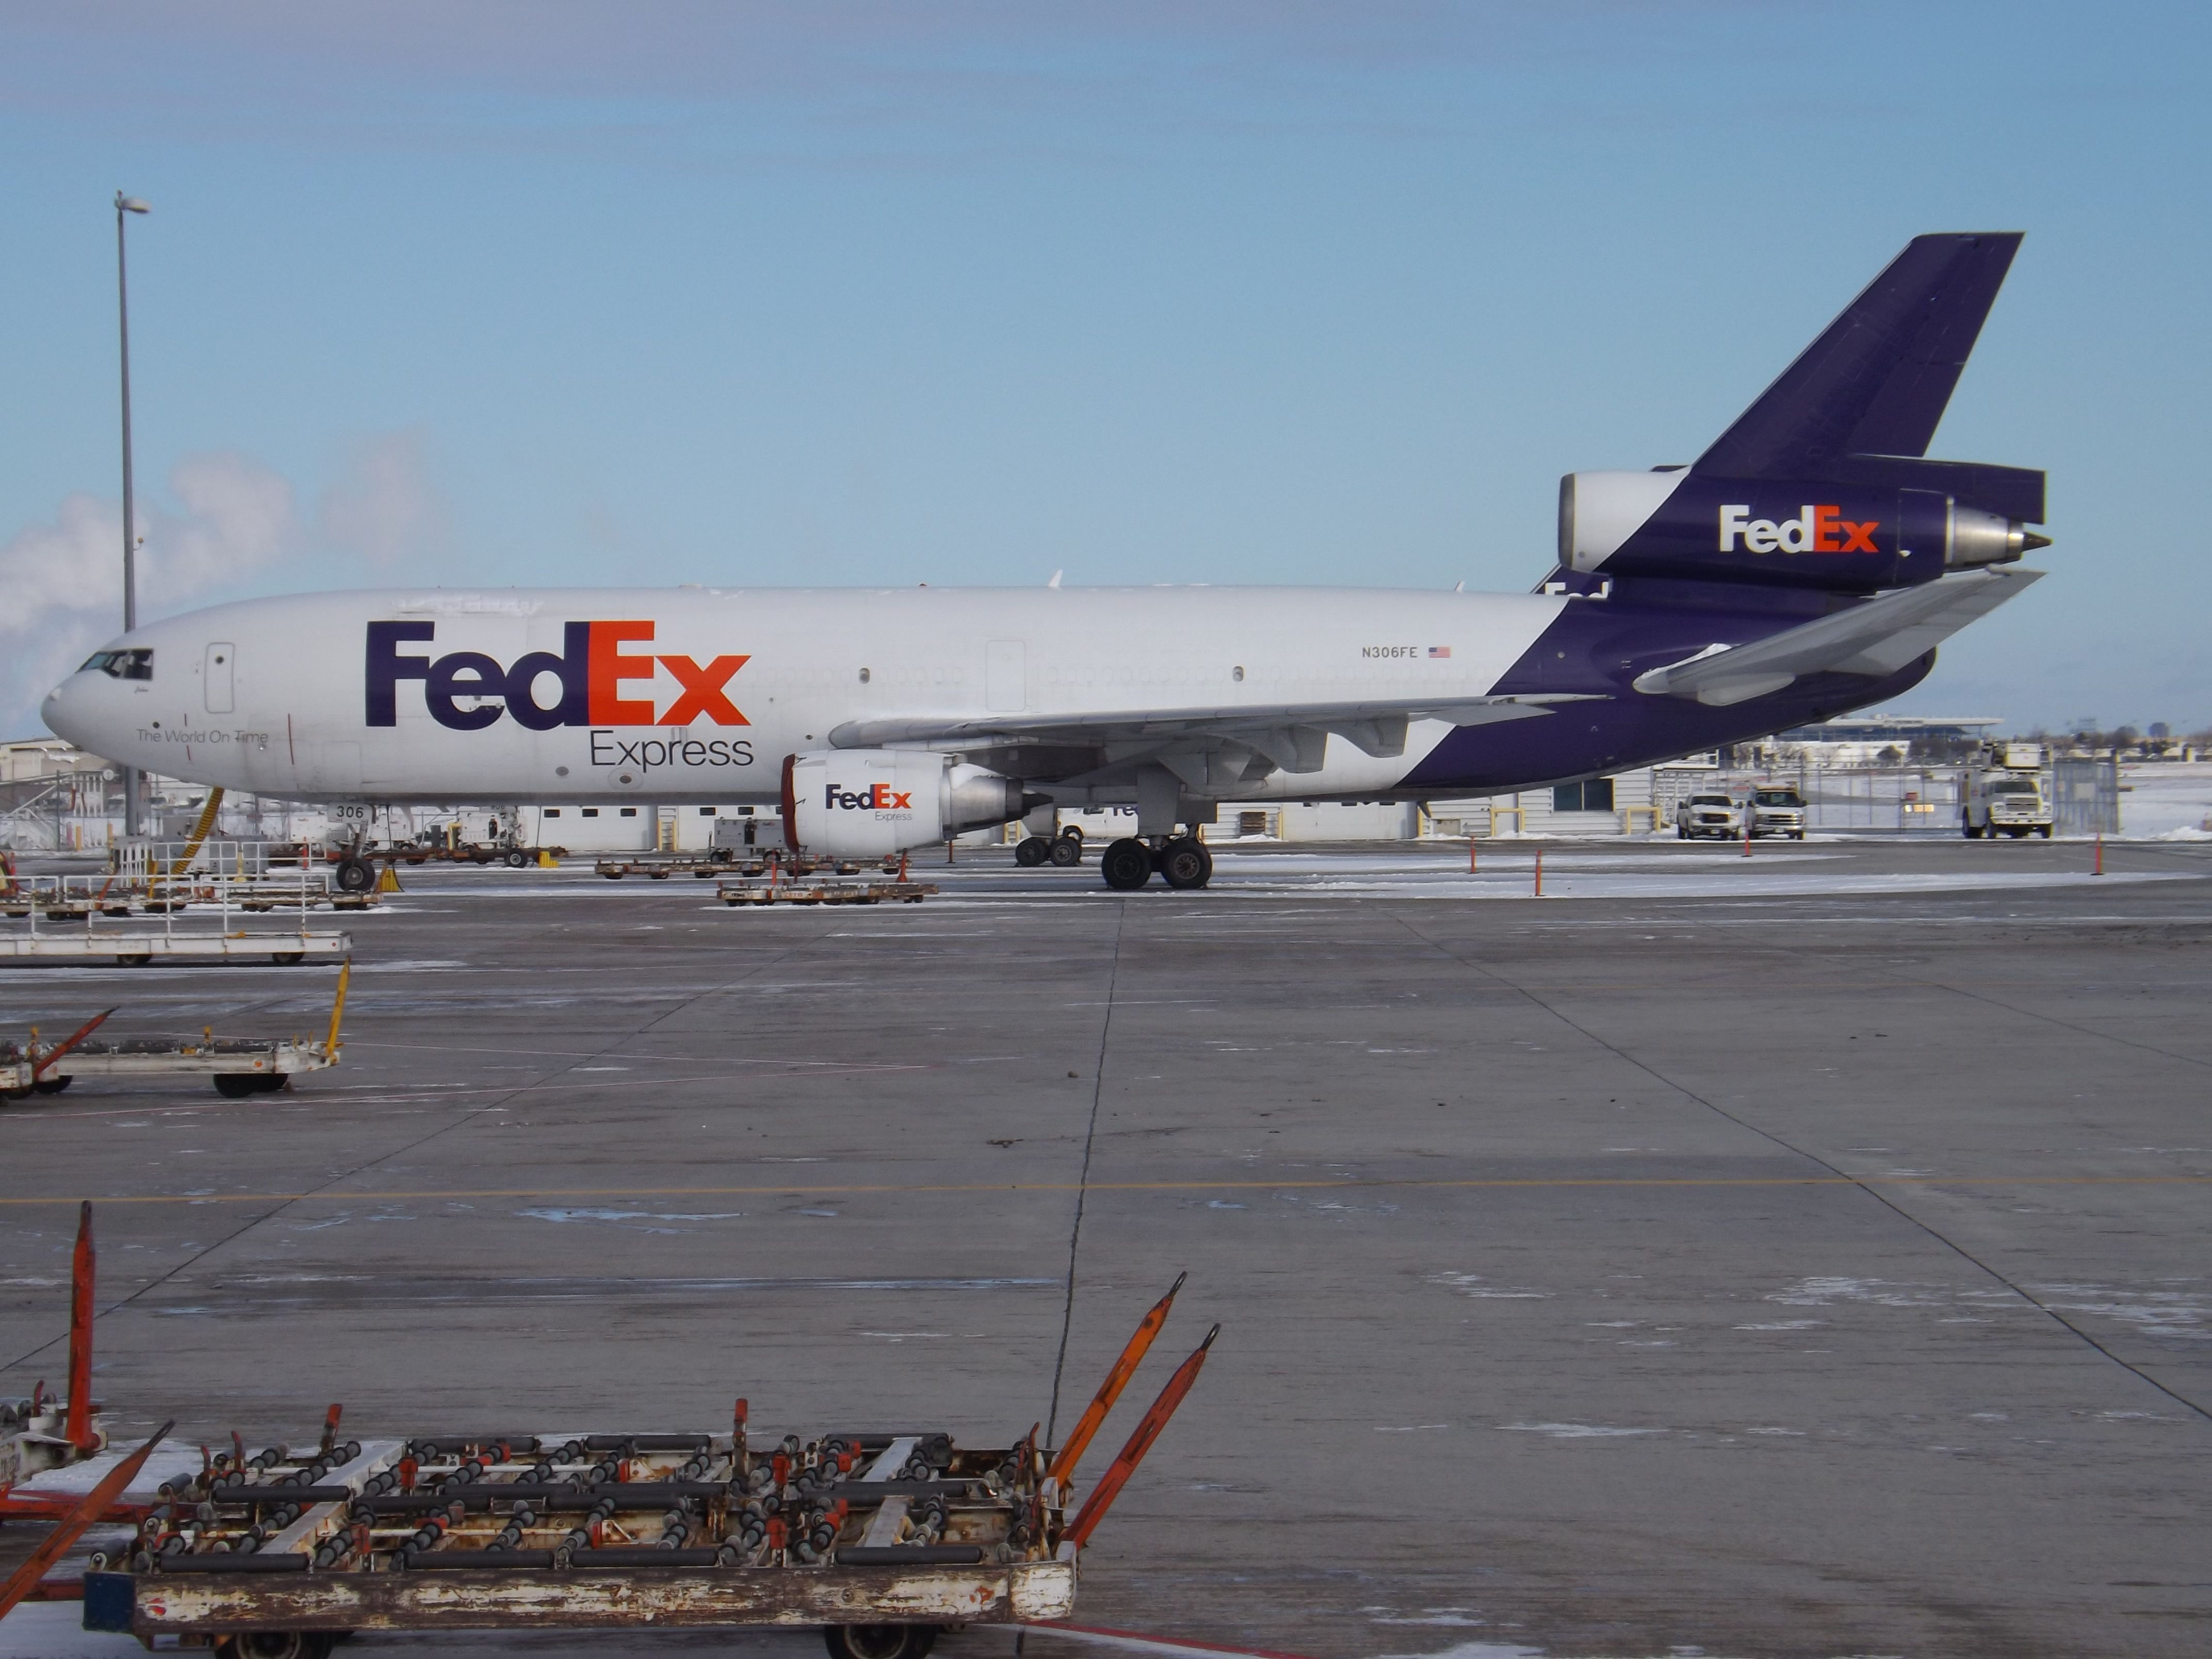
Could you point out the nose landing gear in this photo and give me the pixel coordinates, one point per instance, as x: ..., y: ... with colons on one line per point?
x: 1063, y: 851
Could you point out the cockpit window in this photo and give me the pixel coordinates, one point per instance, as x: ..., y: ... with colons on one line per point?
x: 135, y: 664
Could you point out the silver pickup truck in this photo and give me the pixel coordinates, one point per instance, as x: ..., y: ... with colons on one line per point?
x: 1777, y: 810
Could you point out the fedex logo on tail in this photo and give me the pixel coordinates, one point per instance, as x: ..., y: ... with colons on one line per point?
x: 582, y: 684
x: 875, y: 798
x: 1821, y: 529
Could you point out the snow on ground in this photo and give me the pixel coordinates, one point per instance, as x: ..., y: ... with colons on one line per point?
x: 2167, y: 802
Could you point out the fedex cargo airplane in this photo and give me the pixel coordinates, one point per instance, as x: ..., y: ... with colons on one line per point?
x: 1807, y: 564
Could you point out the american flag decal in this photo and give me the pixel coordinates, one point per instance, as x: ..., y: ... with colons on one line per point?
x: 1440, y: 651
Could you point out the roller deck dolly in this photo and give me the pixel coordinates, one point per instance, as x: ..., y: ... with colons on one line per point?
x: 880, y: 1538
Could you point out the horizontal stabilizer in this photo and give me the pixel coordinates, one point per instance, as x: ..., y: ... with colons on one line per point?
x: 1876, y: 382
x: 1875, y: 639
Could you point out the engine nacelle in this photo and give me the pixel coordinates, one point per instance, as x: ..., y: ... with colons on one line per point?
x: 868, y: 803
x: 1845, y: 536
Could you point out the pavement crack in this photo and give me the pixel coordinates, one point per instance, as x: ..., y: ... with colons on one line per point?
x: 1878, y: 1197
x: 1082, y: 1181
x: 461, y: 1121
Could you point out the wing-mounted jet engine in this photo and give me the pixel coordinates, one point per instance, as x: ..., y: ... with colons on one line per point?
x: 868, y: 803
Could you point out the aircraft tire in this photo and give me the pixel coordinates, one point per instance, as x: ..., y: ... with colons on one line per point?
x: 355, y: 876
x: 1032, y: 851
x: 236, y: 1085
x: 50, y: 1085
x: 1185, y: 864
x: 517, y: 859
x: 1127, y: 865
x: 1066, y: 851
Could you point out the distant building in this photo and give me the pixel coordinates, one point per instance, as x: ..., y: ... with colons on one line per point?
x: 22, y: 759
x: 1876, y: 739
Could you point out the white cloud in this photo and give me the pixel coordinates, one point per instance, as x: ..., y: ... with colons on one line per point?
x: 238, y: 518
x: 385, y: 509
x: 73, y: 564
x: 224, y: 519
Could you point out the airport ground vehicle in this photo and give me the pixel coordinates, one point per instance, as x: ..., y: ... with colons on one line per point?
x: 1808, y: 561
x: 1707, y: 814
x: 2002, y: 793
x: 1777, y: 810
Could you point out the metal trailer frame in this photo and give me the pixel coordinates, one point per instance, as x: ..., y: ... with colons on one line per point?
x: 239, y: 1065
x: 824, y: 893
x: 584, y: 1530
x: 773, y: 862
x: 896, y: 1534
x: 137, y: 947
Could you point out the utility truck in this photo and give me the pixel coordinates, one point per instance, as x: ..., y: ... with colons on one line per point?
x: 2002, y: 792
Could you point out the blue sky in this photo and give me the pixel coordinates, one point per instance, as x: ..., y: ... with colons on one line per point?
x: 520, y: 292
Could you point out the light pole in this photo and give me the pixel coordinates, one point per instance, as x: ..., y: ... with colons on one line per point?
x: 125, y: 204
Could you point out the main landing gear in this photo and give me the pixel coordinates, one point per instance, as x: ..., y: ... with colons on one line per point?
x: 1181, y: 860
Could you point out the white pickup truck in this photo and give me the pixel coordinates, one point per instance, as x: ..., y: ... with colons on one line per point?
x: 1710, y: 813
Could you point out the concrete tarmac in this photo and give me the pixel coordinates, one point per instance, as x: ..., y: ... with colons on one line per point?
x: 1797, y: 1256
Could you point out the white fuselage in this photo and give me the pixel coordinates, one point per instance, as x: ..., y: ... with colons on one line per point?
x: 279, y: 696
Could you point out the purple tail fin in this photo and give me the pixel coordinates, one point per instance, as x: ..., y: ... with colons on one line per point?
x: 1877, y: 381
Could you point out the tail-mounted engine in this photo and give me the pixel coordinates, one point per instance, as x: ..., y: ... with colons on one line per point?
x: 865, y: 803
x: 1851, y: 538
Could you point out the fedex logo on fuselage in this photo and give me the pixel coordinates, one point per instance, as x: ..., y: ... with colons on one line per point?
x: 1821, y: 529
x: 875, y: 798
x: 588, y: 673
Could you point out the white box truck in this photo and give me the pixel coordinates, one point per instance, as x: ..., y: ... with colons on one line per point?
x: 2003, y: 791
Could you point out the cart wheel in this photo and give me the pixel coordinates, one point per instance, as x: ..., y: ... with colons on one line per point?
x: 133, y: 961
x: 14, y: 1094
x: 276, y: 1645
x: 50, y: 1085
x: 273, y: 1083
x: 879, y: 1641
x: 236, y: 1085
x: 286, y: 958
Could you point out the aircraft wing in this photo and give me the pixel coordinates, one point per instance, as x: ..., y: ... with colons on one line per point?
x: 1290, y: 734
x: 1876, y: 638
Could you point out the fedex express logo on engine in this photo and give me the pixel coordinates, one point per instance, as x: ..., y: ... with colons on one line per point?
x: 583, y: 683
x: 1821, y: 529
x: 875, y: 798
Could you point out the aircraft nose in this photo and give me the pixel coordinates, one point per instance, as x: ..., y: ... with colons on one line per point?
x: 70, y: 712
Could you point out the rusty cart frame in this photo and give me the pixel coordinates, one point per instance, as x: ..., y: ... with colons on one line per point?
x: 881, y: 1538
